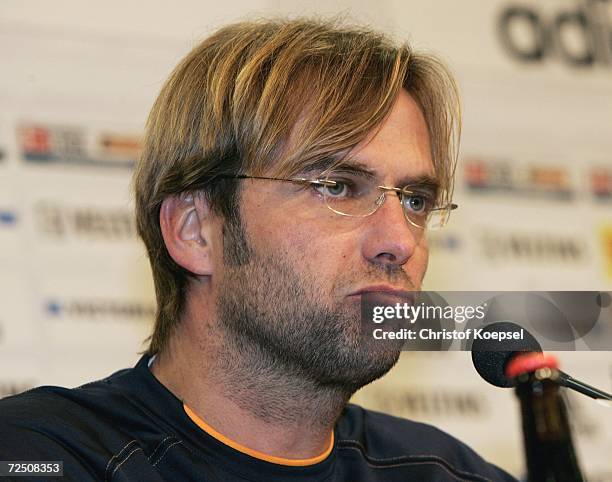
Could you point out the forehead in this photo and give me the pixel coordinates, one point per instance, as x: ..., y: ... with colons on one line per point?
x: 400, y: 149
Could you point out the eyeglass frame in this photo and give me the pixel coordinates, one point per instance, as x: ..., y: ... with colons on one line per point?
x: 324, y: 182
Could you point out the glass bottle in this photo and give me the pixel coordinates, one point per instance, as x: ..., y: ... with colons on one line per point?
x: 546, y: 431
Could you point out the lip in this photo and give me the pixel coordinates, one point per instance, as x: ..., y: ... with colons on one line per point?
x: 384, y: 289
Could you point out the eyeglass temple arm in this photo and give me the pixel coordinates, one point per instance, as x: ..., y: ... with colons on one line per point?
x: 300, y: 180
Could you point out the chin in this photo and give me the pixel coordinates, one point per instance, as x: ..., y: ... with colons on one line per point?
x: 354, y: 375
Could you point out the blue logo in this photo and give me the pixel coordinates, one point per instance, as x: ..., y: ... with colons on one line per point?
x: 444, y: 242
x: 54, y: 308
x: 7, y: 218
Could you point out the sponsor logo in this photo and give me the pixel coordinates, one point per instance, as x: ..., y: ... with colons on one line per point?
x: 7, y: 217
x: 532, y: 247
x: 100, y: 309
x: 578, y: 37
x: 502, y: 176
x: 606, y: 246
x: 45, y: 144
x: 85, y: 222
x: 601, y: 183
x: 8, y: 388
x: 119, y: 146
x: 438, y: 402
x: 443, y: 241
x: 40, y: 143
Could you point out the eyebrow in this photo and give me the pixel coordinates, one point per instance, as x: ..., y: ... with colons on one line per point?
x: 423, y: 181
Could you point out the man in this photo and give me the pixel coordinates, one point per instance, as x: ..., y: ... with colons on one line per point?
x: 290, y: 168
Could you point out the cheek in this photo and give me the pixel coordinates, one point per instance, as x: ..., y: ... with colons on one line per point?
x: 316, y: 249
x: 307, y: 243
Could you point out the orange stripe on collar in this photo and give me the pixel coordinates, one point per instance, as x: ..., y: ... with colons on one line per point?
x: 254, y: 453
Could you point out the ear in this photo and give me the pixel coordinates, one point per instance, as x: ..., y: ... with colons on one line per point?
x: 186, y: 226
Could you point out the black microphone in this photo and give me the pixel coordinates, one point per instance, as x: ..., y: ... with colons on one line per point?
x: 490, y: 362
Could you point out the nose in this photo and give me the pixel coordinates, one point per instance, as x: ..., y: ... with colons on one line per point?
x: 390, y: 239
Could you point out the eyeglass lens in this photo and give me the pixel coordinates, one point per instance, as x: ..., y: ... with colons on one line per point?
x: 356, y: 194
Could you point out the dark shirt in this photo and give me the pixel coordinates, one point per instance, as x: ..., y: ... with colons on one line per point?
x: 130, y: 427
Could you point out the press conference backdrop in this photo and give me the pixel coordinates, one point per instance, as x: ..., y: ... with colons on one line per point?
x: 534, y: 185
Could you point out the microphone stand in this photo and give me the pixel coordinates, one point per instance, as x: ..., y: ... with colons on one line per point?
x: 567, y: 381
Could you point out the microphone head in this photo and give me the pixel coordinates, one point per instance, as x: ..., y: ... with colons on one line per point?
x: 490, y: 357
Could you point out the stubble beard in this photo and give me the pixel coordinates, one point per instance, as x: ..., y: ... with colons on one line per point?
x: 281, y: 338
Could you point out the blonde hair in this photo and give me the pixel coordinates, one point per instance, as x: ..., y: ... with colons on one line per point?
x: 236, y: 99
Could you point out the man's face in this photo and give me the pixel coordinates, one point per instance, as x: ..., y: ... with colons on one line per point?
x: 295, y: 298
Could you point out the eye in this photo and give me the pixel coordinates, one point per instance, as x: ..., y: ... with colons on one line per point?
x: 339, y: 190
x: 418, y: 203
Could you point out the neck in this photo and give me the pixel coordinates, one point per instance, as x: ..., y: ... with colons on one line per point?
x: 247, y: 396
